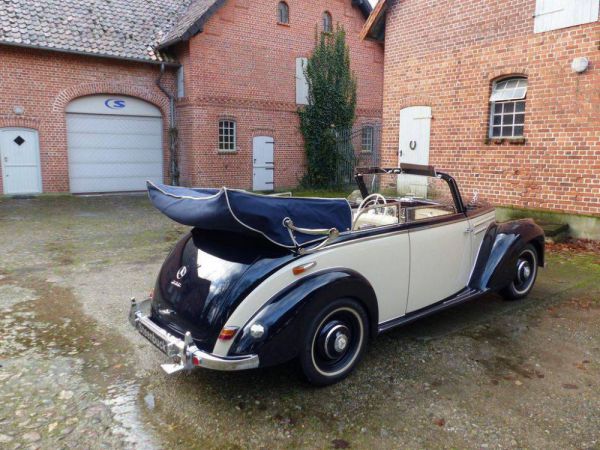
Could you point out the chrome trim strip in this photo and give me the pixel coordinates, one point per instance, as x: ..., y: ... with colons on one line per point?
x: 184, y: 352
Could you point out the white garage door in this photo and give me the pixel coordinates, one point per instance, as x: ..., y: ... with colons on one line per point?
x: 115, y: 144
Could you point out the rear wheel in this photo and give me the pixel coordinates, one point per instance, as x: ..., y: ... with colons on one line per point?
x: 334, y: 342
x: 525, y: 274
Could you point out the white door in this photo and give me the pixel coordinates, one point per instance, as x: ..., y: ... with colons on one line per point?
x: 115, y: 144
x: 262, y: 163
x: 415, y: 127
x: 440, y: 263
x: 20, y: 154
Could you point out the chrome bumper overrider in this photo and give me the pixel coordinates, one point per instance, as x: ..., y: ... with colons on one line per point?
x: 185, y: 354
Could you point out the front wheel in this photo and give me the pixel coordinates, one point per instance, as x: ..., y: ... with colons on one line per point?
x: 525, y: 273
x: 334, y: 342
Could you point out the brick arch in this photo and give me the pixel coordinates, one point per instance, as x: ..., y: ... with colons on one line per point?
x: 507, y: 72
x: 19, y: 122
x: 81, y: 90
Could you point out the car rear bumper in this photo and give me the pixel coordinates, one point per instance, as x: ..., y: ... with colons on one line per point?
x: 185, y: 354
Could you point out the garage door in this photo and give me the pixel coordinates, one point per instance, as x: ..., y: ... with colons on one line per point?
x: 115, y: 144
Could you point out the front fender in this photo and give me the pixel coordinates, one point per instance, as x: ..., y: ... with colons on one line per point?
x: 499, y: 251
x: 286, y: 315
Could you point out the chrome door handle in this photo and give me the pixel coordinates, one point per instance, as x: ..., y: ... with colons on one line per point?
x: 469, y: 230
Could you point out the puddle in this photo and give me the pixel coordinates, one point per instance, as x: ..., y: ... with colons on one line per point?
x: 63, y: 382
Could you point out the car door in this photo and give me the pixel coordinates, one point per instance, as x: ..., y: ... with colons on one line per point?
x: 440, y: 260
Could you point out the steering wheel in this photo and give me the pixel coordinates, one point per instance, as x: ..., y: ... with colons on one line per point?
x: 372, y: 198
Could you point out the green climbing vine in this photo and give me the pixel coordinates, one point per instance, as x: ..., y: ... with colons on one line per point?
x: 331, y: 106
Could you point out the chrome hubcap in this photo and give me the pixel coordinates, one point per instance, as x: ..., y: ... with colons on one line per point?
x: 523, y: 271
x: 526, y: 270
x: 341, y: 341
x: 334, y: 339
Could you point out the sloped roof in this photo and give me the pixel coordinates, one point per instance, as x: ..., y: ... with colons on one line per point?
x: 374, y: 28
x: 127, y: 29
x: 191, y: 22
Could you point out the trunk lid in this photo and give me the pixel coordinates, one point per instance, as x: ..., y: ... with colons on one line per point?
x: 204, y: 279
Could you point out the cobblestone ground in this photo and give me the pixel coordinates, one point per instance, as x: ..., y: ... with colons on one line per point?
x: 489, y: 374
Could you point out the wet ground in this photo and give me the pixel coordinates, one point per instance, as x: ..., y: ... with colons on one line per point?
x: 489, y: 374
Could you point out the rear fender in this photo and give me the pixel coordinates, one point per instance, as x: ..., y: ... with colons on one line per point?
x: 499, y: 251
x: 286, y: 315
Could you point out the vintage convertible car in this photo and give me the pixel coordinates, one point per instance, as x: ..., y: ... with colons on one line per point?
x: 260, y: 280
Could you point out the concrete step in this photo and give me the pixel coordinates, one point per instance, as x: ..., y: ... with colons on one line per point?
x: 555, y: 232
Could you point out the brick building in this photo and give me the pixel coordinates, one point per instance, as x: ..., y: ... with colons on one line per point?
x: 499, y: 94
x: 88, y: 90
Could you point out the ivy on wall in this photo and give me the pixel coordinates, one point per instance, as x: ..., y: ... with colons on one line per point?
x: 331, y: 106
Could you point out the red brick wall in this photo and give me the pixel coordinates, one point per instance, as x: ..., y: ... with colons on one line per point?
x: 445, y: 54
x: 44, y: 82
x: 243, y: 67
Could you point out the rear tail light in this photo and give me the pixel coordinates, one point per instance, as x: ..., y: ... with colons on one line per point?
x: 227, y: 333
x: 152, y: 294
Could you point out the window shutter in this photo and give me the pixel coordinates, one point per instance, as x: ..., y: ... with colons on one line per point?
x: 301, y: 82
x: 180, y: 85
x: 557, y: 14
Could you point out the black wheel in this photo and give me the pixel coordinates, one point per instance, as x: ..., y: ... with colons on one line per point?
x: 525, y: 274
x: 334, y: 342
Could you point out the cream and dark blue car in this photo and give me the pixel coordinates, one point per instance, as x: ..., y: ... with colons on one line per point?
x: 260, y: 280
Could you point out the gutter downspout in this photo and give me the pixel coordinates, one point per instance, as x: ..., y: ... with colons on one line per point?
x: 173, y: 132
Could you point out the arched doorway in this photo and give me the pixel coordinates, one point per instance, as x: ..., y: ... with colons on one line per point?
x: 114, y: 143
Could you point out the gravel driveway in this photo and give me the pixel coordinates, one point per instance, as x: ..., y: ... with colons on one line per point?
x: 489, y: 374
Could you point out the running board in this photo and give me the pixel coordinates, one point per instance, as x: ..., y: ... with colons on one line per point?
x: 461, y: 297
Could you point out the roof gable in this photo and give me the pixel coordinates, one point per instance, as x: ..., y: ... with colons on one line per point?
x: 199, y: 11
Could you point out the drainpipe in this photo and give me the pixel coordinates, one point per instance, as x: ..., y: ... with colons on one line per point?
x: 173, y: 162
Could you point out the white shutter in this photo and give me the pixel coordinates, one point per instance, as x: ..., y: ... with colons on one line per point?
x: 557, y: 14
x: 180, y: 85
x: 301, y: 82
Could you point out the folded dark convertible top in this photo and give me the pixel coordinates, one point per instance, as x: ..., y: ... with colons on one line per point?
x: 251, y: 214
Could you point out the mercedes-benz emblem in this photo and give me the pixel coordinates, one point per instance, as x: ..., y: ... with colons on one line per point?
x: 181, y: 272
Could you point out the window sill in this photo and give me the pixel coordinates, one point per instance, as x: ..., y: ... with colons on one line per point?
x: 511, y: 141
x: 227, y: 152
x: 284, y: 24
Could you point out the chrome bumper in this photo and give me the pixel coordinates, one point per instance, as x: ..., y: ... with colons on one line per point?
x: 185, y: 354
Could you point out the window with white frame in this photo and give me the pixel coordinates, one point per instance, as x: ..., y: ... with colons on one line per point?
x: 557, y: 14
x: 367, y: 139
x: 327, y: 22
x: 283, y: 13
x: 180, y: 85
x: 227, y: 135
x: 507, y: 108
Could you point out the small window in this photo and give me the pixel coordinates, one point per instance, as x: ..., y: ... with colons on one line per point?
x: 507, y: 108
x: 367, y: 139
x: 227, y: 135
x: 283, y: 13
x: 327, y: 27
